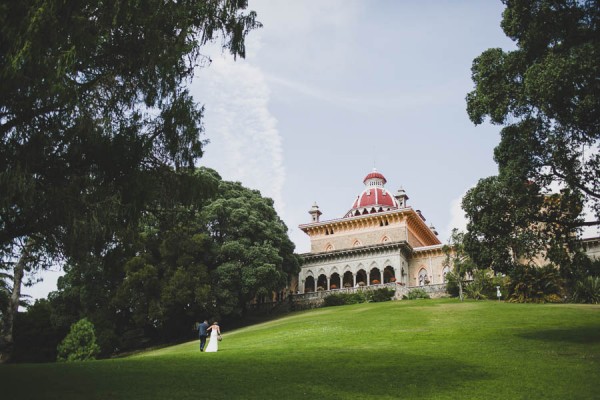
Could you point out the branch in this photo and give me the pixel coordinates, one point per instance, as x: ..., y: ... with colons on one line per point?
x: 577, y: 185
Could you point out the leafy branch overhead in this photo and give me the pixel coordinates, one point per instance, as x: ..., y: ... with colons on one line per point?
x: 545, y: 93
x: 96, y: 123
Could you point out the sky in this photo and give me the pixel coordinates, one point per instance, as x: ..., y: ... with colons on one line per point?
x: 331, y: 89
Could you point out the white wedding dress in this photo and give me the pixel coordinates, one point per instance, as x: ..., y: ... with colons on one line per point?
x: 213, y: 344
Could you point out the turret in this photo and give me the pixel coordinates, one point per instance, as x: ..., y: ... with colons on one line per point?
x: 315, y: 212
x: 402, y: 197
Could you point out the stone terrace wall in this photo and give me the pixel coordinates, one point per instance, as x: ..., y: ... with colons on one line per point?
x: 311, y: 300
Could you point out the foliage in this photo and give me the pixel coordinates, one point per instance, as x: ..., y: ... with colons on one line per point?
x: 531, y: 284
x: 484, y: 285
x: 36, y: 334
x: 336, y: 299
x: 79, y: 344
x: 379, y: 295
x: 184, y: 263
x: 587, y: 290
x: 253, y: 254
x: 457, y: 259
x: 452, y: 287
x: 417, y: 293
x: 500, y: 231
x: 96, y: 122
x: 545, y: 93
x: 475, y: 289
x: 364, y: 296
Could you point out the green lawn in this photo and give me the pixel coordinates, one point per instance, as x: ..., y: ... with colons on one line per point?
x: 422, y: 349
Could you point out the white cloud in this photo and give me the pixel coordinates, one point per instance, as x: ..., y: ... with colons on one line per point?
x: 457, y: 217
x: 245, y: 144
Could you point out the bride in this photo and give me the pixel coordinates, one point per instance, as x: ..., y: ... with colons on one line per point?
x: 215, y: 336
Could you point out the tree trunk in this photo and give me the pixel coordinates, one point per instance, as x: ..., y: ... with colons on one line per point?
x: 460, y: 289
x: 6, y: 333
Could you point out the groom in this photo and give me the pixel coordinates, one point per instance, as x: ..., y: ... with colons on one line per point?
x: 202, y: 333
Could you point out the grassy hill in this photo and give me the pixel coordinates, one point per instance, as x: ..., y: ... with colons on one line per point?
x: 424, y: 349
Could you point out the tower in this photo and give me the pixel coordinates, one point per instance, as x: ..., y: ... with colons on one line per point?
x: 315, y: 212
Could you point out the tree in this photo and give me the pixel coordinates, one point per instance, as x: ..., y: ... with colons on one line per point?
x: 94, y: 111
x: 458, y: 261
x: 151, y: 284
x: 254, y: 255
x: 185, y: 262
x: 546, y: 94
x: 79, y: 344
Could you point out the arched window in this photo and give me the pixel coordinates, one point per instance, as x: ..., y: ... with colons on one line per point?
x: 361, y: 277
x: 423, y: 279
x: 335, y: 281
x: 329, y: 247
x: 374, y: 275
x: 445, y: 272
x: 388, y: 274
x: 322, y: 283
x: 348, y: 279
x: 309, y: 284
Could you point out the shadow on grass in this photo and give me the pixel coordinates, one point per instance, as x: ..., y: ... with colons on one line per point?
x: 579, y: 335
x: 248, y: 376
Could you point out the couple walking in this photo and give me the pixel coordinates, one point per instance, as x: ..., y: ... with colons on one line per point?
x: 215, y: 336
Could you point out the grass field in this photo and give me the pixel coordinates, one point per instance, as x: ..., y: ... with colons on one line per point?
x: 423, y: 349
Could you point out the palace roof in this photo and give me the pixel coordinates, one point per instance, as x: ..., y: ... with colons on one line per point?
x: 374, y: 198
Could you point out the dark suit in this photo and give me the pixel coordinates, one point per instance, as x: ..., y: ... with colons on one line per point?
x: 202, y: 334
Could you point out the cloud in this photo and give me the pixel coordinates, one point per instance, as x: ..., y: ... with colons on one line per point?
x: 245, y: 144
x: 457, y: 217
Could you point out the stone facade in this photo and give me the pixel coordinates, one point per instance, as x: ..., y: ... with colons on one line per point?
x: 592, y: 247
x: 380, y: 240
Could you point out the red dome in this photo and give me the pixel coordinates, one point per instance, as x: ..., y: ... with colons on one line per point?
x: 375, y: 174
x: 374, y: 198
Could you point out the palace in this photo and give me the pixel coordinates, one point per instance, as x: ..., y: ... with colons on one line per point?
x: 380, y: 240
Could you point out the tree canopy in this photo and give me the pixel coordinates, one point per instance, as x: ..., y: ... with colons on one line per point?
x: 94, y: 100
x: 546, y: 95
x: 96, y: 123
x: 207, y: 260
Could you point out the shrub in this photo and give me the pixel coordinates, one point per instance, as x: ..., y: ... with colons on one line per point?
x: 474, y: 290
x: 79, y: 344
x: 338, y: 299
x: 379, y: 295
x: 417, y: 294
x: 355, y: 298
x: 452, y: 285
x: 529, y: 284
x: 587, y: 290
